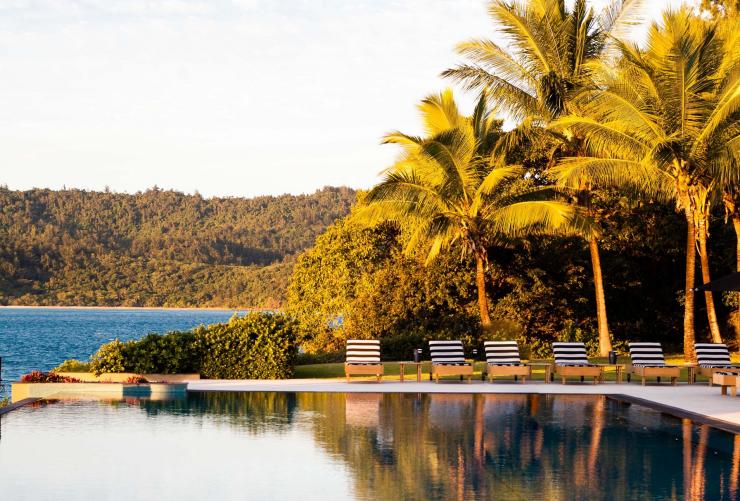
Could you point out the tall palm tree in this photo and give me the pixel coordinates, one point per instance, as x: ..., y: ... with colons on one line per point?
x: 450, y: 191
x: 662, y: 115
x: 724, y: 159
x: 533, y: 80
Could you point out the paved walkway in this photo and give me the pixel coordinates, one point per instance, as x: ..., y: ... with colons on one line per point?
x: 694, y: 401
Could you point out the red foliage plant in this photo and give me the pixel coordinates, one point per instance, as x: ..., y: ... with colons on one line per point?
x: 47, y: 377
x: 136, y: 380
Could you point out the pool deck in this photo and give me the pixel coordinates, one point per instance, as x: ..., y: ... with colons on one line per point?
x: 698, y: 402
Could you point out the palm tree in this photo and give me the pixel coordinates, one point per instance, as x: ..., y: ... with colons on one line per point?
x: 533, y: 80
x: 449, y: 190
x: 663, y: 114
x: 723, y: 155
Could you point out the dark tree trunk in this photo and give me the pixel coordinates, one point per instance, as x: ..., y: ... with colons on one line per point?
x: 706, y: 277
x: 736, y: 225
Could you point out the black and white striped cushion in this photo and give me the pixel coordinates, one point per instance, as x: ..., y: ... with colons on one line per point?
x: 570, y: 354
x: 714, y: 355
x: 502, y: 352
x: 647, y: 354
x: 363, y: 351
x: 447, y: 352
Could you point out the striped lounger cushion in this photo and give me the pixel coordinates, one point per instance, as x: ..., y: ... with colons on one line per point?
x: 714, y: 355
x: 502, y: 353
x: 447, y: 353
x: 570, y: 354
x: 363, y: 351
x: 647, y: 355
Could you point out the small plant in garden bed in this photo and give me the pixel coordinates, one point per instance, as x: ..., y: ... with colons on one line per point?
x: 47, y: 377
x: 72, y: 366
x: 136, y: 380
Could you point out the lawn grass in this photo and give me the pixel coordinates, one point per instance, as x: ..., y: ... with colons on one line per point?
x: 336, y: 370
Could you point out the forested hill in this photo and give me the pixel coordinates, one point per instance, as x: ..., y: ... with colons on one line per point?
x: 156, y: 248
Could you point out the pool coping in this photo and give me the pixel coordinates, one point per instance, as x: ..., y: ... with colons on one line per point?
x: 676, y: 412
x: 17, y: 405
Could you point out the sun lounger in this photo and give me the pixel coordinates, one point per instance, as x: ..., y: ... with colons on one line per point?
x: 647, y: 361
x: 502, y: 359
x: 571, y: 360
x: 726, y: 380
x: 712, y: 358
x: 448, y: 359
x: 363, y: 358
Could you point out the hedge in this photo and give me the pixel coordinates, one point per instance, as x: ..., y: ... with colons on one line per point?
x: 255, y: 346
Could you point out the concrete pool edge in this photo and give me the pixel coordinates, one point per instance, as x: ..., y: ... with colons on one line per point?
x: 679, y: 413
x: 17, y: 405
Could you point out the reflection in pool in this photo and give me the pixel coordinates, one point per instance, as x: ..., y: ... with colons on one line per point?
x: 362, y: 446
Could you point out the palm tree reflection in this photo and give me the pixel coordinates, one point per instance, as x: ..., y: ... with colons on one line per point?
x: 414, y: 446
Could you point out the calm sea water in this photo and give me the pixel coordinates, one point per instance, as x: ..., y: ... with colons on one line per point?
x: 364, y: 447
x: 40, y: 338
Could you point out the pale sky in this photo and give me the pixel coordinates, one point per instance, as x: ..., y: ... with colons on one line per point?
x: 226, y: 97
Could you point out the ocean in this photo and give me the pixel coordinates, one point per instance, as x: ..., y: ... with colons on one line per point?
x: 42, y: 338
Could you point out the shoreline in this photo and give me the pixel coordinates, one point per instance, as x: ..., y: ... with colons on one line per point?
x: 153, y: 308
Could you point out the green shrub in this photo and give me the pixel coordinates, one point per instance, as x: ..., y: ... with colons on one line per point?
x: 402, y: 346
x: 72, y: 366
x: 320, y: 358
x: 175, y: 352
x: 256, y: 346
x: 109, y: 358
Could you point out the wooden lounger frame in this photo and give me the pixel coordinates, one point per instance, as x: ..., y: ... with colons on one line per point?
x: 710, y: 371
x: 363, y: 370
x: 657, y: 372
x: 566, y: 371
x: 464, y: 371
x: 725, y: 381
x: 518, y: 371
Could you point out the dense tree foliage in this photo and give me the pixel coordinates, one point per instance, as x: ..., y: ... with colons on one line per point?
x: 157, y: 248
x: 327, y: 278
x: 357, y: 283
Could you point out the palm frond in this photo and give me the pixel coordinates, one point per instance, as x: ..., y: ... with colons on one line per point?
x: 574, y: 172
x: 514, y: 22
x: 498, y: 61
x: 439, y: 112
x: 515, y: 101
x: 541, y: 217
x: 604, y: 136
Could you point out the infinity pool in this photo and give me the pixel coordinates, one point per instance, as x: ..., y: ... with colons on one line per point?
x: 256, y: 446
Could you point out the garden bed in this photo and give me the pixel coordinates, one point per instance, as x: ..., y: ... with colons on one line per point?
x: 122, y: 377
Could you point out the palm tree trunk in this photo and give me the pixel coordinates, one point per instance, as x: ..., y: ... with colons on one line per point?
x: 480, y: 280
x: 706, y: 277
x: 736, y: 225
x: 605, y: 342
x: 688, y: 312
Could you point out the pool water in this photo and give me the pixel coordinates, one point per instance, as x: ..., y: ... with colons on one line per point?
x: 334, y: 446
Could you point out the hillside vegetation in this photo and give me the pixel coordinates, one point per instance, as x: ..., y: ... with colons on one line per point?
x: 156, y: 248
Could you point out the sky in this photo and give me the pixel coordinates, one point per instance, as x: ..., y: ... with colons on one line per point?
x: 223, y: 97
